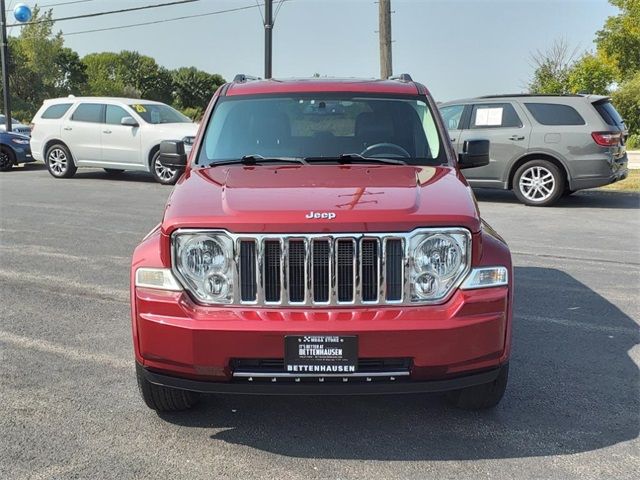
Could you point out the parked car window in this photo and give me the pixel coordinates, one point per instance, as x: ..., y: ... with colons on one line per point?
x: 609, y: 114
x: 452, y: 115
x: 56, y: 111
x: 554, y: 114
x: 115, y: 114
x: 88, y: 112
x: 159, y: 113
x: 494, y: 115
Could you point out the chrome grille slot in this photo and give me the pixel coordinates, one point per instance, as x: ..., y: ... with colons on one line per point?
x: 297, y: 270
x: 393, y: 257
x: 272, y: 285
x: 369, y: 269
x: 345, y: 269
x: 248, y: 280
x: 321, y: 254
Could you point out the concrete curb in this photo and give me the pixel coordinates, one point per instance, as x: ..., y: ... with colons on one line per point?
x: 634, y: 159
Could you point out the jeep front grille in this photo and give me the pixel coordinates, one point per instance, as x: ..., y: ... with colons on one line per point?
x: 321, y: 270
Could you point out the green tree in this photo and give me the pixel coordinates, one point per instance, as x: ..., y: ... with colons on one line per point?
x: 41, y: 67
x: 103, y: 74
x: 626, y: 99
x: 591, y: 74
x: 619, y: 39
x: 552, y: 68
x: 128, y: 74
x: 193, y: 88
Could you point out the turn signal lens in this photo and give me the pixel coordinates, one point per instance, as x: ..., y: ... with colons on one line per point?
x: 486, y: 277
x: 160, y: 278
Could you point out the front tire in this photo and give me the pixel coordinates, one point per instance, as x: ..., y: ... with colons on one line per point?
x: 164, y: 399
x: 480, y: 397
x: 162, y: 174
x: 538, y: 183
x: 60, y: 162
x: 7, y: 159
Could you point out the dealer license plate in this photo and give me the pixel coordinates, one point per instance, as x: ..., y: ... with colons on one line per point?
x: 320, y: 354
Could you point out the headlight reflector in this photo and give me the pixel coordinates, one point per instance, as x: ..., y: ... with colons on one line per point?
x: 203, y: 262
x: 439, y: 261
x: 439, y: 254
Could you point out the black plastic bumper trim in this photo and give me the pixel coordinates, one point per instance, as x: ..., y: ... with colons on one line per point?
x: 374, y: 388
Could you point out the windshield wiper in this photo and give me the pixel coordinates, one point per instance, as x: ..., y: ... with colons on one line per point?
x: 346, y: 158
x: 255, y: 159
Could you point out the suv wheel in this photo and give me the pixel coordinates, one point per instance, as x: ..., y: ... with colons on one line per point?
x: 538, y: 183
x: 7, y: 159
x: 59, y: 161
x: 162, y: 174
x: 164, y: 399
x: 483, y: 396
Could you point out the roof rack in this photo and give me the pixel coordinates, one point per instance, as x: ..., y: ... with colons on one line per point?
x: 241, y: 78
x: 505, y: 95
x: 403, y: 77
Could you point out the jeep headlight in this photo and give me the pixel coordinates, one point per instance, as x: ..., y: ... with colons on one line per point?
x: 203, y: 262
x: 439, y: 261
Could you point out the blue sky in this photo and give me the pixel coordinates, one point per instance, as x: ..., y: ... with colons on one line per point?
x: 457, y: 48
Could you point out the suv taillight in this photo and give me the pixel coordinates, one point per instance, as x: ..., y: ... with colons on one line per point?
x: 607, y: 139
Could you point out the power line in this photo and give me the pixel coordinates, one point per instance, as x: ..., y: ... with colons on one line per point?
x: 154, y: 22
x: 110, y: 12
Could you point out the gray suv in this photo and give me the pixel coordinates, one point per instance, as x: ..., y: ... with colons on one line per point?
x: 542, y: 146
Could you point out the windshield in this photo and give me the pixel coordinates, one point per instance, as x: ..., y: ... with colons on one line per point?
x: 159, y: 113
x: 327, y: 125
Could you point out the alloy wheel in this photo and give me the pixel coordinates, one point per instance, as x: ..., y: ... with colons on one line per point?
x: 163, y: 173
x: 58, y: 161
x: 537, y: 184
x: 5, y: 161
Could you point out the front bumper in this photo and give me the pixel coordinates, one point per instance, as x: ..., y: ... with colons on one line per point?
x: 330, y: 388
x: 179, y: 342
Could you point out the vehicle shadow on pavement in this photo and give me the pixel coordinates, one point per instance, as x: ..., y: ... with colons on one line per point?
x: 583, y: 199
x: 573, y: 388
x: 128, y: 176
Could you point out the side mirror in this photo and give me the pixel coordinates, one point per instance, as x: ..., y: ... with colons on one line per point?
x: 172, y: 154
x: 129, y: 122
x: 475, y: 153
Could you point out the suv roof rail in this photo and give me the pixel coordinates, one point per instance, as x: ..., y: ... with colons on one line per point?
x: 403, y: 77
x: 241, y: 78
x: 505, y: 95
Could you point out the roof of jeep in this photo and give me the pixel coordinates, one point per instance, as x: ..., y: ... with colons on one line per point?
x: 319, y: 85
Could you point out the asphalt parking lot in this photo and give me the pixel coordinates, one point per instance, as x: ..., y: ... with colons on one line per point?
x: 70, y: 406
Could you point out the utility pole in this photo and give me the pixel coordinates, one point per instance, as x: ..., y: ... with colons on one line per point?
x: 268, y: 33
x: 5, y: 67
x: 386, y: 69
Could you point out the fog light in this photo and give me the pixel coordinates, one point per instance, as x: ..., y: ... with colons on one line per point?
x: 426, y: 285
x: 216, y: 285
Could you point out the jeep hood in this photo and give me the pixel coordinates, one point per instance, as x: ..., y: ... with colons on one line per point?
x: 364, y: 198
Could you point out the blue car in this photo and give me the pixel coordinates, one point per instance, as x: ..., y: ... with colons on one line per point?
x: 14, y: 149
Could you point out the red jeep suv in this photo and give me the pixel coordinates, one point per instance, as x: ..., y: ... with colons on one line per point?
x: 322, y: 240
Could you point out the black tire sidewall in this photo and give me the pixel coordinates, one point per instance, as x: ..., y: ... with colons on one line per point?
x: 152, y: 168
x: 71, y: 168
x: 558, y: 188
x: 11, y: 159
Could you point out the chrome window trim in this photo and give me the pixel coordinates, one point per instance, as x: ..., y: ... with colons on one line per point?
x: 357, y: 237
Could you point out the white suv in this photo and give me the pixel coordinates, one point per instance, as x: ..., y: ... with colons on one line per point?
x: 116, y: 134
